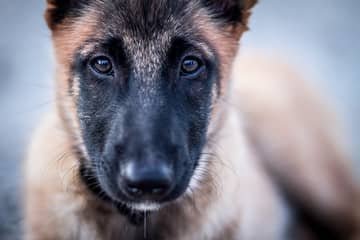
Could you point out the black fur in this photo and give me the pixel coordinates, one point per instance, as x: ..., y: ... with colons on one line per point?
x: 129, y: 116
x: 150, y: 14
x: 58, y: 10
x: 136, y: 115
x: 89, y: 178
x: 230, y: 11
x: 125, y: 118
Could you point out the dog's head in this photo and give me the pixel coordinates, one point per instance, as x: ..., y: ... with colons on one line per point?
x: 138, y: 85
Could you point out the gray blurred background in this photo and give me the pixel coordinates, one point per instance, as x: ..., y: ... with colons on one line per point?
x: 319, y: 37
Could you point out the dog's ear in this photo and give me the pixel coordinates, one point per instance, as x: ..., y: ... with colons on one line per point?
x: 58, y: 10
x: 230, y: 11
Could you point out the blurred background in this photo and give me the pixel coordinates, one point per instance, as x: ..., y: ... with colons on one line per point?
x: 319, y: 37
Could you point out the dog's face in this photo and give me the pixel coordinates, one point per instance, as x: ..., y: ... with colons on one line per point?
x: 138, y: 85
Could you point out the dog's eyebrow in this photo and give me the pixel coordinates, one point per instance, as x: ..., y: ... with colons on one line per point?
x: 88, y: 47
x: 106, y: 42
x: 202, y: 45
x: 206, y: 49
x: 198, y: 43
x: 91, y: 44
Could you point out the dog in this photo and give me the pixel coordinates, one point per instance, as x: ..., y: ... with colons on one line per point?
x: 161, y: 131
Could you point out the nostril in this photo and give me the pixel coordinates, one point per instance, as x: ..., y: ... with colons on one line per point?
x: 135, y: 191
x: 120, y: 149
x: 147, y: 181
x: 158, y: 191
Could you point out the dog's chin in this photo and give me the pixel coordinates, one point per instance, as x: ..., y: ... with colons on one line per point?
x: 145, y: 206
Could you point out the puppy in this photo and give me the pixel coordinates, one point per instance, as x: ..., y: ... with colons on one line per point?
x: 161, y: 132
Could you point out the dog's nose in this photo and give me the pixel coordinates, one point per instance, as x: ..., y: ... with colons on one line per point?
x: 147, y: 182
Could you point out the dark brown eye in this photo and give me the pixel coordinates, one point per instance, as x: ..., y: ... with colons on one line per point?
x: 102, y: 65
x: 191, y: 66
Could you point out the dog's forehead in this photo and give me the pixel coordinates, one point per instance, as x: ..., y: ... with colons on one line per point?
x: 147, y: 54
x: 146, y: 29
x: 142, y: 19
x: 147, y: 49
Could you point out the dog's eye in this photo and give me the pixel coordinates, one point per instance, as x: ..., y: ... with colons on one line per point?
x: 102, y: 65
x: 191, y: 66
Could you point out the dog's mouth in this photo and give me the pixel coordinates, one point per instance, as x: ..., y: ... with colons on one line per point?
x: 107, y: 184
x: 134, y: 211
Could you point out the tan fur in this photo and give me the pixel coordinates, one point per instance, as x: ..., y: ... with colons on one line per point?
x: 270, y: 134
x: 299, y: 140
x: 293, y: 137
